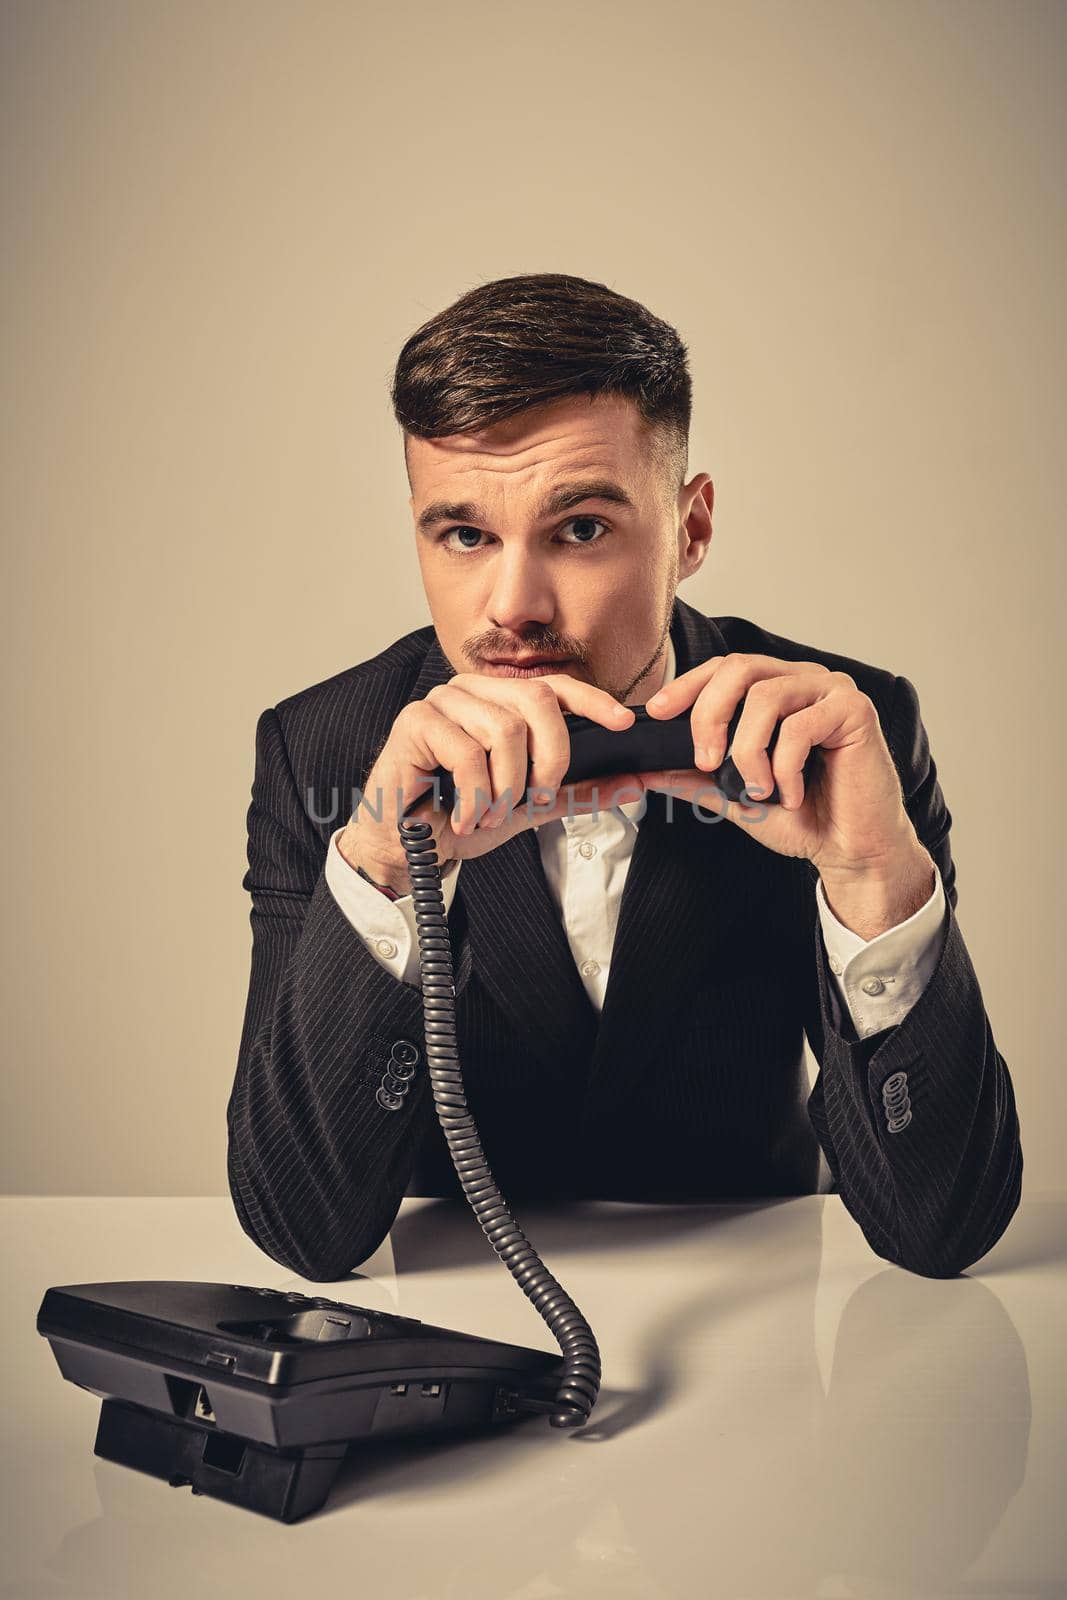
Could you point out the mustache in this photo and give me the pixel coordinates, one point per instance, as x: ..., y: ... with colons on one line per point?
x: 547, y: 644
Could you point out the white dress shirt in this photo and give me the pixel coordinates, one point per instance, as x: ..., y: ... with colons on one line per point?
x: 586, y: 859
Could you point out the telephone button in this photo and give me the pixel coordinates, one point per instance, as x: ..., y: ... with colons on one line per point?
x: 405, y: 1052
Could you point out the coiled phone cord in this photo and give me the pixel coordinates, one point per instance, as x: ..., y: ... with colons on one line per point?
x: 580, y: 1378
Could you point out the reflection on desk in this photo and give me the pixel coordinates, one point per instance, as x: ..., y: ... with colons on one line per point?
x: 782, y: 1414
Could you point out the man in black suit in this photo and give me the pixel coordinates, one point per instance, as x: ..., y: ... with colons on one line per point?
x: 635, y: 972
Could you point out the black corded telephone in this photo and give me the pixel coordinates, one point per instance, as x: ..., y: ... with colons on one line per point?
x: 254, y: 1395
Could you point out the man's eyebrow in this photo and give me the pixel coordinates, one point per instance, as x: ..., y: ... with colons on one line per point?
x: 561, y: 498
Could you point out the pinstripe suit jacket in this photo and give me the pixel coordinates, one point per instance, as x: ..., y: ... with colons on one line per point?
x: 689, y: 1084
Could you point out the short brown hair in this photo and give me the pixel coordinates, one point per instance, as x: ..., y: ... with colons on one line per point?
x: 519, y: 342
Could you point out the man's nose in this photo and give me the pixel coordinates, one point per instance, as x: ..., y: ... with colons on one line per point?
x: 521, y: 594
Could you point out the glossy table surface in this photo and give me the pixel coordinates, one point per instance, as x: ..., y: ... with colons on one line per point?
x: 782, y: 1414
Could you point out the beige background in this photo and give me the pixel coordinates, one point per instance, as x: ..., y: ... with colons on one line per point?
x: 221, y: 221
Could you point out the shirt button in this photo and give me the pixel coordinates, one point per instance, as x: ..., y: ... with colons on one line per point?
x: 835, y: 966
x: 385, y: 947
x: 872, y: 985
x: 587, y: 849
x: 590, y: 969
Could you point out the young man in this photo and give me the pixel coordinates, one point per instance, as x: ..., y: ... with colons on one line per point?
x: 637, y: 1045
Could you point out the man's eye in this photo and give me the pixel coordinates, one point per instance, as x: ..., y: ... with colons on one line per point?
x: 475, y: 534
x: 446, y: 536
x: 583, y: 539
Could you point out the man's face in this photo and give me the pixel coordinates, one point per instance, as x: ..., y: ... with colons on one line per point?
x: 509, y: 574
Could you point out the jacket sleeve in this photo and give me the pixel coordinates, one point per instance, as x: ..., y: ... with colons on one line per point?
x: 317, y: 1167
x: 918, y: 1122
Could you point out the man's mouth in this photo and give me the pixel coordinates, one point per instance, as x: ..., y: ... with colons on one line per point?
x: 526, y: 666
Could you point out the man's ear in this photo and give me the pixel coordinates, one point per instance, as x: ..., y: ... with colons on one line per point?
x: 696, y: 500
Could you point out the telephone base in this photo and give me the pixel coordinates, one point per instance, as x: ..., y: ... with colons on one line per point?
x: 255, y: 1396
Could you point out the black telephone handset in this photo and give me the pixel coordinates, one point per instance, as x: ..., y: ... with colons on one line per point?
x: 649, y: 744
x: 254, y: 1395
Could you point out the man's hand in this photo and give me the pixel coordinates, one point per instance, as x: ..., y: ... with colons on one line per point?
x: 485, y: 731
x: 850, y: 822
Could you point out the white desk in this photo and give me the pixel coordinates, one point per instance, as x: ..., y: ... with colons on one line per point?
x: 782, y: 1414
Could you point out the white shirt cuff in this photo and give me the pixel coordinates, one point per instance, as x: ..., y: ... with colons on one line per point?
x: 880, y: 979
x: 387, y: 927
